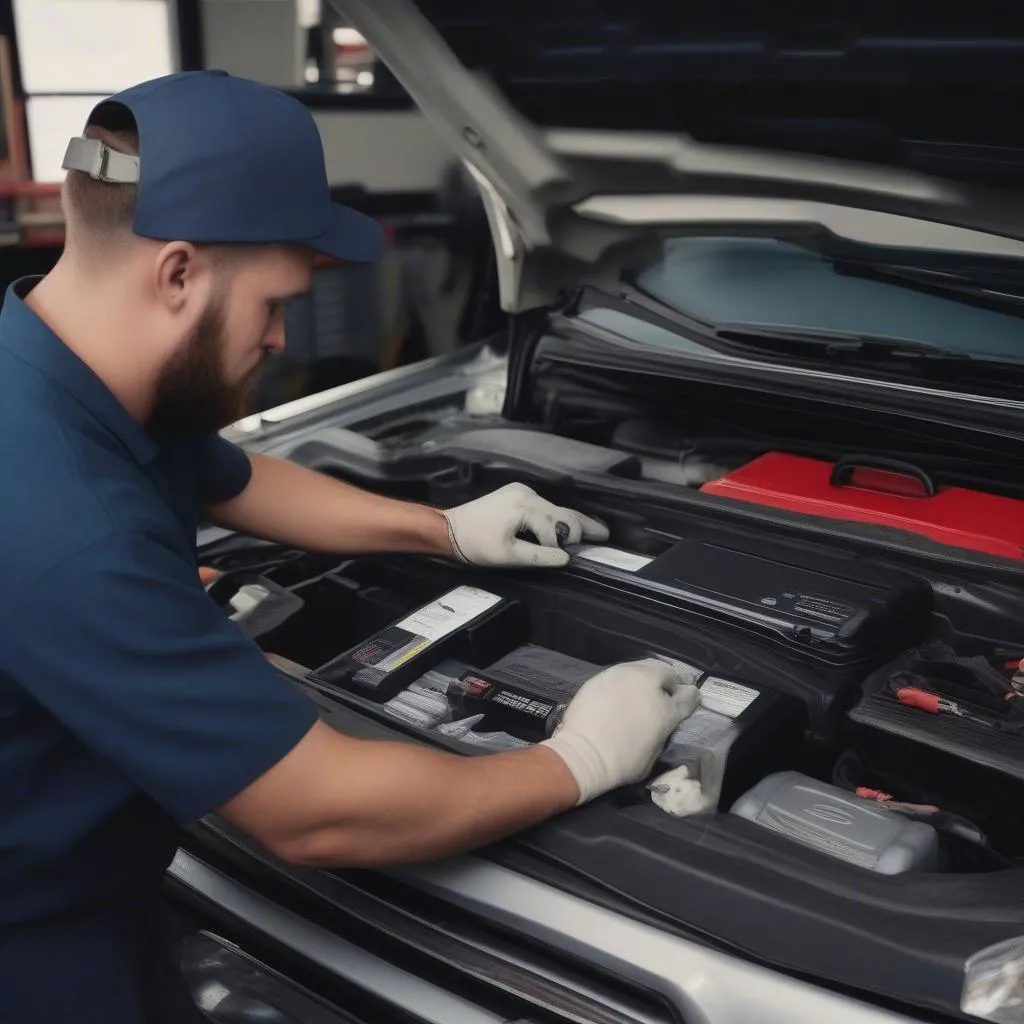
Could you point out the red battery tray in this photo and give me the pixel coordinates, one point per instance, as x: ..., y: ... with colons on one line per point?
x: 886, y: 492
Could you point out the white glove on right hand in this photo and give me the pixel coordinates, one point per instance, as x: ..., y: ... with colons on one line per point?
x: 616, y: 726
x: 487, y: 531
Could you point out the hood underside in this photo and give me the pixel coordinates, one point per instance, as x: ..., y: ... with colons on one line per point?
x: 592, y: 128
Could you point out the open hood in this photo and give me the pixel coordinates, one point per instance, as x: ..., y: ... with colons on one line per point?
x: 592, y: 126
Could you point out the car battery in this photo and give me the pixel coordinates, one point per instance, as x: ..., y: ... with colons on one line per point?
x: 882, y: 492
x: 504, y: 708
x: 839, y: 824
x: 735, y: 736
x: 523, y: 694
x: 467, y: 623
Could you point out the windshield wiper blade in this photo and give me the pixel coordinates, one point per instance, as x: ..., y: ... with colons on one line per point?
x: 783, y: 341
x: 998, y: 292
x: 831, y: 344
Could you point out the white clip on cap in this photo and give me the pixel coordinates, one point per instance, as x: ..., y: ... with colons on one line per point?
x: 101, y: 162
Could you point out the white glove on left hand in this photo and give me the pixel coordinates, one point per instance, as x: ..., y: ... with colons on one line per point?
x: 487, y: 531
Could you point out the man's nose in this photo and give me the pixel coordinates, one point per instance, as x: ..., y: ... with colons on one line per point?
x: 275, y: 339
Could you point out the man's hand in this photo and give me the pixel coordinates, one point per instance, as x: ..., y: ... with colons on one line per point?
x: 618, y: 723
x: 494, y: 529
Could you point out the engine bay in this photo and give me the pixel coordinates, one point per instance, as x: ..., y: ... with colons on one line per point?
x: 839, y: 681
x: 857, y: 751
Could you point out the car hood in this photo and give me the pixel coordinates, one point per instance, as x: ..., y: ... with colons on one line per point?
x: 590, y: 128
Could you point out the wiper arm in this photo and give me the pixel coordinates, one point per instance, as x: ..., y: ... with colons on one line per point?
x: 832, y: 344
x: 1000, y: 293
x: 808, y: 342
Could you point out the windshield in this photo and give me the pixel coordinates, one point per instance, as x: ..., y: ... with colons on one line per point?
x: 760, y: 282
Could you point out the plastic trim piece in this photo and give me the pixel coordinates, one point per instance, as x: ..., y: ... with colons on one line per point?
x: 706, y: 985
x: 413, y: 995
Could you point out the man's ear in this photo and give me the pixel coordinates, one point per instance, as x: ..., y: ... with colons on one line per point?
x: 177, y: 275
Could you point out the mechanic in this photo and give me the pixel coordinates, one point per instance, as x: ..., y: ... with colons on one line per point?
x: 129, y: 702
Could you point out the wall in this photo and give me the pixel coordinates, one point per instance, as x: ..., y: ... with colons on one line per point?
x: 383, y: 150
x: 259, y: 39
x: 378, y: 147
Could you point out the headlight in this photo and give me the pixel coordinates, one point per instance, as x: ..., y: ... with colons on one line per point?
x: 231, y: 988
x: 994, y: 983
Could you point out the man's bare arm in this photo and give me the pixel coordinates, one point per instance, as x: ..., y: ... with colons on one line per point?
x: 339, y: 801
x: 292, y: 505
x: 298, y: 507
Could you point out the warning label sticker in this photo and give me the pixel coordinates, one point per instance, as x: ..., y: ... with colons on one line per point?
x: 400, y: 643
x: 726, y: 697
x: 615, y: 557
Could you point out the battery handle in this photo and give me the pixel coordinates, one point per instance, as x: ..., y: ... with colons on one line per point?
x: 849, y: 471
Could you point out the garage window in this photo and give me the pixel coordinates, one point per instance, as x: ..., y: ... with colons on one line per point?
x: 74, y: 53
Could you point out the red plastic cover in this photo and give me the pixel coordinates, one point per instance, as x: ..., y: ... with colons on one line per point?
x: 954, y: 516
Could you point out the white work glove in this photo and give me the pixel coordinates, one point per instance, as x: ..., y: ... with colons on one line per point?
x: 616, y: 726
x: 487, y: 531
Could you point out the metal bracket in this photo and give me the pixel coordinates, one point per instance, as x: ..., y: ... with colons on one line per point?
x: 101, y: 162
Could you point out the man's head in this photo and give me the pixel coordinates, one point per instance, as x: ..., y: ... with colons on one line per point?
x: 209, y: 232
x: 216, y: 312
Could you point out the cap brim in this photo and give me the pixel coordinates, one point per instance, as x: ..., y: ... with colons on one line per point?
x: 350, y: 236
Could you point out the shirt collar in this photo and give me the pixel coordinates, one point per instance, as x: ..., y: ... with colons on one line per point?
x: 25, y: 335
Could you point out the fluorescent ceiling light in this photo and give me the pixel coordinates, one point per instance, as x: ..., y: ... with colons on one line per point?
x: 348, y: 37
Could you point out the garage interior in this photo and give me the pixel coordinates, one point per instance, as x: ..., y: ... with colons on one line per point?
x: 382, y: 156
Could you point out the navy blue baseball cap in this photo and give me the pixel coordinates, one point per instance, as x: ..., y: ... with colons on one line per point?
x: 225, y: 160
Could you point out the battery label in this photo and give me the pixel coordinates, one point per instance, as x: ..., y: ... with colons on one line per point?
x: 704, y: 728
x: 812, y: 606
x: 545, y: 673
x: 726, y: 697
x: 399, y: 644
x: 523, y: 703
x: 477, y: 686
x: 449, y: 613
x: 392, y: 648
x: 690, y: 673
x: 615, y: 557
x: 502, y: 703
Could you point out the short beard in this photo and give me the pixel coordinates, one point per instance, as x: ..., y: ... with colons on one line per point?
x: 193, y: 398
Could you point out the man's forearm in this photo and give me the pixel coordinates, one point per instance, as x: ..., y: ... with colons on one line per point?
x: 404, y: 803
x: 292, y: 505
x: 426, y: 811
x: 335, y: 800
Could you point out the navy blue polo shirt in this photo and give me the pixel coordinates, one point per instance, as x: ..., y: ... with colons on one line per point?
x: 128, y: 701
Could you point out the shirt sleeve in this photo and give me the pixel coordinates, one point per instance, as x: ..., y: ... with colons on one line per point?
x: 224, y: 470
x: 122, y: 644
